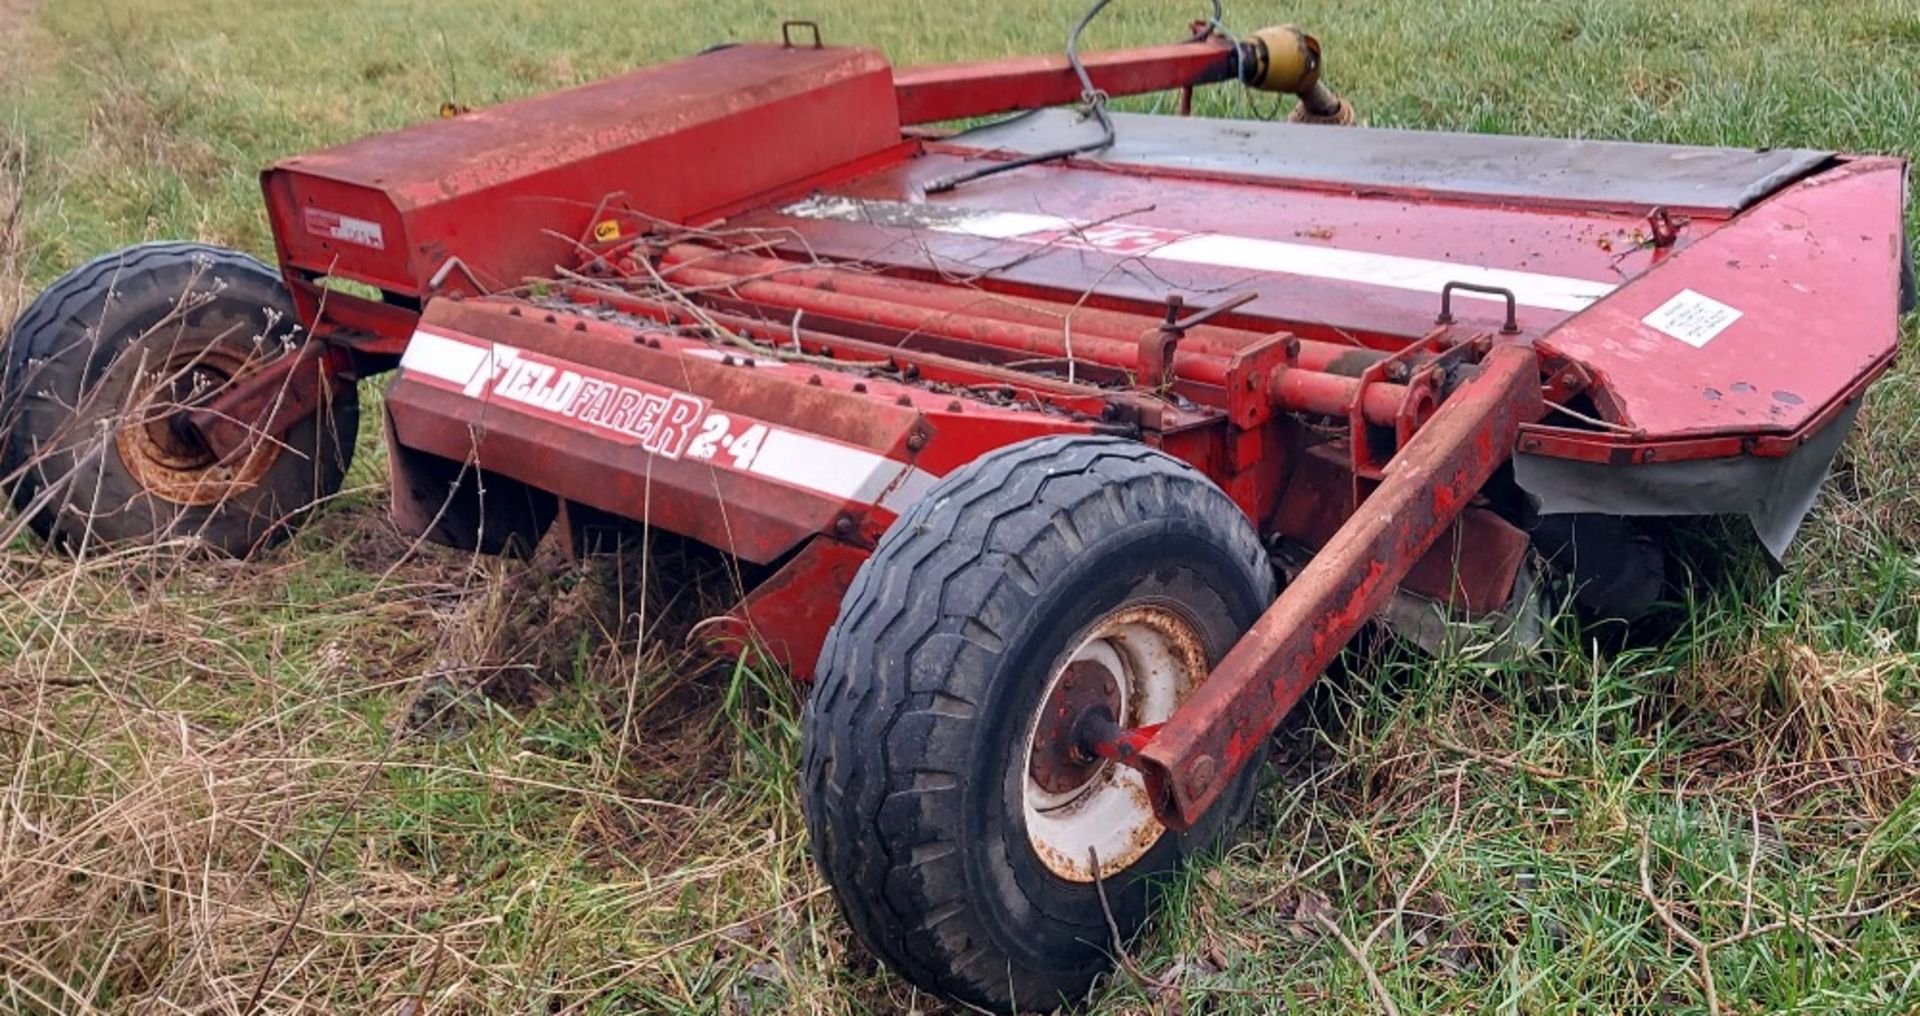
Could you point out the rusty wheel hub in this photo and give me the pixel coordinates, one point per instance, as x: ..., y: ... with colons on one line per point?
x: 1060, y: 760
x: 169, y: 463
x: 1132, y: 668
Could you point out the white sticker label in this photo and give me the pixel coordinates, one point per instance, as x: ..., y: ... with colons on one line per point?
x: 345, y: 228
x: 1692, y: 318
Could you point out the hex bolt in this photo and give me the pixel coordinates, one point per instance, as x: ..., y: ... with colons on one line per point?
x: 859, y: 388
x: 916, y: 441
x: 903, y: 400
x: 954, y: 406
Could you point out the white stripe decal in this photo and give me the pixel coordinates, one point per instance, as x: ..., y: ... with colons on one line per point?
x: 1394, y: 271
x: 442, y: 357
x: 831, y: 468
x: 488, y: 373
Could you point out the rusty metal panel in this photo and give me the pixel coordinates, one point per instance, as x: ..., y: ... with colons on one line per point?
x: 1338, y: 267
x: 787, y: 616
x: 1471, y: 567
x: 957, y: 91
x: 751, y: 455
x: 1759, y: 329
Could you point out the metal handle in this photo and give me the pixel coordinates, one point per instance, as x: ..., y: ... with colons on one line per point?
x: 786, y: 32
x: 1510, y: 327
x: 1176, y: 323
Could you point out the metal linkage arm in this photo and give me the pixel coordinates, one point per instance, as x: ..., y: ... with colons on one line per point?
x: 1197, y: 753
x: 956, y: 91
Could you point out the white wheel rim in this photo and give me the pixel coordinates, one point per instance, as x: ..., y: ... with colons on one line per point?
x: 1158, y: 657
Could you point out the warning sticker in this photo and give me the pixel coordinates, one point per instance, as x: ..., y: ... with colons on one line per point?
x: 345, y: 228
x: 1692, y: 318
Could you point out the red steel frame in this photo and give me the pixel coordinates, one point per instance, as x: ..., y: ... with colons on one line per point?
x: 439, y: 217
x: 959, y: 91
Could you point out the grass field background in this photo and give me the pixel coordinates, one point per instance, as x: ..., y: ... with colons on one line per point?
x: 211, y: 798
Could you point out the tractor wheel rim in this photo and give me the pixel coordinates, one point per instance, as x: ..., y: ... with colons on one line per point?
x: 1140, y: 662
x: 165, y: 465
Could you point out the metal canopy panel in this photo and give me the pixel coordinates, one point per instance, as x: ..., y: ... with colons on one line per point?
x: 1761, y: 327
x: 1543, y: 170
x: 497, y: 195
x: 1326, y: 264
x: 431, y: 162
x: 1702, y: 339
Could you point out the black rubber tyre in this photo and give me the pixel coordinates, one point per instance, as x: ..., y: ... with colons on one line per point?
x: 95, y: 362
x: 930, y: 681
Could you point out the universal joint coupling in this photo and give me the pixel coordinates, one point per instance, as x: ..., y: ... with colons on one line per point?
x: 1285, y: 59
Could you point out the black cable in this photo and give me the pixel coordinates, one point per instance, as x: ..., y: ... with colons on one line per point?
x: 1093, y: 99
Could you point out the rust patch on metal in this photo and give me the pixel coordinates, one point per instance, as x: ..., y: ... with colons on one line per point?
x: 170, y: 466
x: 1057, y: 762
x: 1064, y: 762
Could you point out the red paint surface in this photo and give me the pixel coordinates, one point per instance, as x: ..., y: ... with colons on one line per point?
x: 959, y: 91
x: 1814, y: 272
x: 1284, y: 652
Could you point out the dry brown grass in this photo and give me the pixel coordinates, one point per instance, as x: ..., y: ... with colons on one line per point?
x: 1810, y: 732
x: 13, y: 202
x: 458, y: 786
x: 142, y: 831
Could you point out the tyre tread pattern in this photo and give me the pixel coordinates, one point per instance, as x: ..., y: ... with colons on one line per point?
x: 36, y: 333
x: 60, y: 331
x: 893, y: 678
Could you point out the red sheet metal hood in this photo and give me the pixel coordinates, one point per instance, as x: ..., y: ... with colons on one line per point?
x: 1764, y: 328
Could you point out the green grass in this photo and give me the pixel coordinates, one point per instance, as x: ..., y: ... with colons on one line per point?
x: 192, y: 752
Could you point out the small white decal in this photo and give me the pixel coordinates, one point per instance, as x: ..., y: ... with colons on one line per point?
x: 1692, y: 318
x: 345, y: 228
